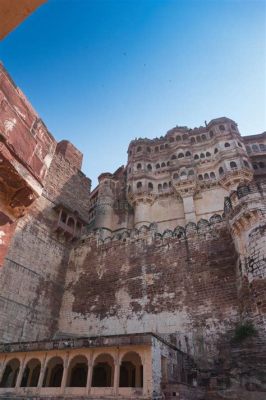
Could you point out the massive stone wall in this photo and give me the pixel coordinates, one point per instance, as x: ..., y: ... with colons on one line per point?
x: 180, y: 282
x: 32, y: 278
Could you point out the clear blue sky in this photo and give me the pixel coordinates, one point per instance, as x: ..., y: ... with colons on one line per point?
x: 100, y: 73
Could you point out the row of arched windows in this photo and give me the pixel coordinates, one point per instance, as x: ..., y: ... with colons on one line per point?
x: 256, y: 148
x: 131, y: 372
x: 259, y: 165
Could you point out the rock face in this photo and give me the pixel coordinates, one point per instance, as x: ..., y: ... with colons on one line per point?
x: 174, y: 244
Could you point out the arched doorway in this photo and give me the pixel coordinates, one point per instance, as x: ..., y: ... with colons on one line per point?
x: 54, y: 372
x: 131, y: 371
x: 31, y: 374
x: 103, y: 371
x: 10, y: 374
x: 78, y: 372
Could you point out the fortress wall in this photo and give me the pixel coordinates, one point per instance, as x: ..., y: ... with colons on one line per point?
x: 32, y: 277
x: 150, y: 283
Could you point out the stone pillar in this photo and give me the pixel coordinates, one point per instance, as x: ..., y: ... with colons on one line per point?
x: 42, y: 372
x: 65, y: 372
x: 20, y: 374
x: 116, y: 374
x: 89, y: 376
x: 2, y: 368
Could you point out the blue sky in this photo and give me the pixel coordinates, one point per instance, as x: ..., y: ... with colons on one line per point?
x: 103, y: 72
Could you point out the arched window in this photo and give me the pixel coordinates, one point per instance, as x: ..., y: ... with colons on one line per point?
x: 71, y: 222
x: 200, y: 177
x: 156, y: 149
x: 211, y: 134
x: 31, y: 374
x: 171, y: 139
x: 139, y: 166
x: 77, y: 372
x: 183, y: 173
x: 53, y: 373
x: 159, y: 187
x: 180, y: 155
x: 255, y: 148
x: 261, y: 164
x: 222, y: 127
x: 203, y: 137
x: 175, y: 176
x: 206, y: 176
x: 198, y: 139
x: 212, y: 175
x: 239, y: 144
x: 173, y: 157
x: 246, y: 163
x: 165, y: 186
x: 221, y: 171
x: 166, y: 146
x: 188, y: 154
x: 131, y: 371
x: 149, y: 167
x: 192, y: 140
x: 130, y: 152
x: 148, y: 149
x: 163, y: 165
x: 139, y: 185
x: 196, y: 157
x: 150, y: 185
x: 233, y: 127
x: 138, y: 149
x: 178, y: 138
x: 10, y: 374
x: 170, y: 184
x: 233, y: 165
x: 168, y: 163
x: 63, y: 217
x: 202, y: 155
x: 157, y: 166
x: 255, y: 166
x: 262, y: 147
x: 161, y: 147
x: 215, y: 150
x: 184, y: 137
x: 103, y: 371
x: 191, y: 172
x: 208, y: 154
x: 248, y: 149
x: 129, y: 189
x: 227, y: 144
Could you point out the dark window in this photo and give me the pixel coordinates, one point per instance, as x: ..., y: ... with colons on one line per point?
x: 222, y: 127
x: 149, y: 167
x: 188, y: 154
x: 196, y: 157
x: 138, y: 148
x: 233, y: 165
x: 173, y: 157
x: 180, y: 155
x: 139, y: 185
x: 215, y: 150
x: 150, y: 185
x: 227, y: 144
x: 208, y: 154
x: 139, y: 166
x: 202, y: 155
x: 221, y: 171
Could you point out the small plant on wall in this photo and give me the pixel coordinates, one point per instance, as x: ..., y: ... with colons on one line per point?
x: 244, y: 330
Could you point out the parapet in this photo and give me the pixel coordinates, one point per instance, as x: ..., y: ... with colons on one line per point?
x: 70, y: 152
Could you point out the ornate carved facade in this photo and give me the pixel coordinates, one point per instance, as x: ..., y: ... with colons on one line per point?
x: 151, y: 286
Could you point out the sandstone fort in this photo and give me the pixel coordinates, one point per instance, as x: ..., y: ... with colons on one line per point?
x: 150, y: 286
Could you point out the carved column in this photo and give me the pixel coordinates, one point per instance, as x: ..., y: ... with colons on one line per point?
x: 141, y: 202
x: 186, y: 188
x: 20, y: 374
x: 90, y: 371
x: 42, y: 372
x: 116, y: 374
x: 65, y: 372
